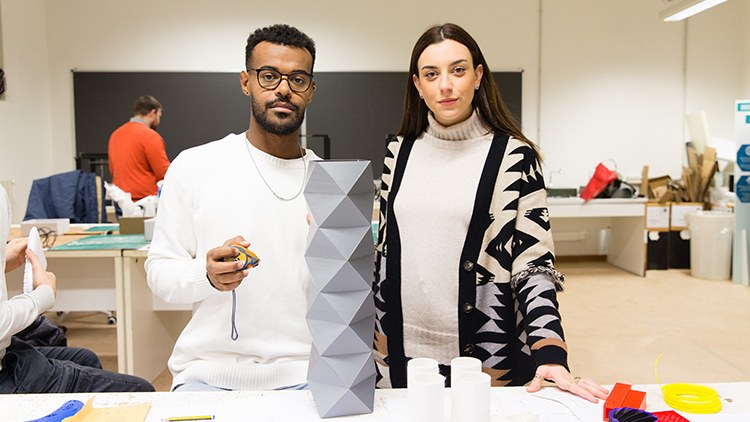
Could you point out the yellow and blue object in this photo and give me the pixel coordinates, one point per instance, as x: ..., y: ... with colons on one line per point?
x: 246, y: 256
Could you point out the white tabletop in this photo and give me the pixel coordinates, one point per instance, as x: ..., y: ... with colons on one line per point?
x: 609, y: 207
x: 508, y: 404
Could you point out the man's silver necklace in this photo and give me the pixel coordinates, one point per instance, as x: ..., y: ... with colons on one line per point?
x: 280, y: 198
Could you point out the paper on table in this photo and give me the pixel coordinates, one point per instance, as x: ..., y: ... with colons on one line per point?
x: 132, y: 413
x: 563, y: 403
x: 35, y: 244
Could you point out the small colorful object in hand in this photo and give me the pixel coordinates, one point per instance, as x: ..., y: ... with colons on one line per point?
x: 247, y: 257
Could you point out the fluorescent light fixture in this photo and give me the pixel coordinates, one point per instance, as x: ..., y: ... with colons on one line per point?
x: 686, y: 8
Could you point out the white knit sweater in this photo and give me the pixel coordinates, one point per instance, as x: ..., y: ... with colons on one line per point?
x: 212, y: 193
x: 439, y: 181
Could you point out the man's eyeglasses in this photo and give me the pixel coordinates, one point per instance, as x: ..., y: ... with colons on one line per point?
x: 270, y: 79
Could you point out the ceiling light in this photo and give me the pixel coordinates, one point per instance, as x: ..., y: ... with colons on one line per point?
x: 686, y: 8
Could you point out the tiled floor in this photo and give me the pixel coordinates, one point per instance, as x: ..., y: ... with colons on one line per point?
x: 616, y: 325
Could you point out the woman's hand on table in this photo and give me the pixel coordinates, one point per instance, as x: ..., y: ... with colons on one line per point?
x: 583, y: 387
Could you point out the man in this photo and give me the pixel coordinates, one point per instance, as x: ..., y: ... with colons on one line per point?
x: 28, y: 369
x: 137, y: 158
x: 248, y: 329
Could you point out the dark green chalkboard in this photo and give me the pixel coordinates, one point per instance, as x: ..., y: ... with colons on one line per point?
x: 198, y: 107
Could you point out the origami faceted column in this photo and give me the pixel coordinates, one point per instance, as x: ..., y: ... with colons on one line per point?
x: 341, y: 310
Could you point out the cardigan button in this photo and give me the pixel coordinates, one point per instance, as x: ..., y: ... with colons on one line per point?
x: 467, y: 307
x: 468, y: 265
x: 469, y: 349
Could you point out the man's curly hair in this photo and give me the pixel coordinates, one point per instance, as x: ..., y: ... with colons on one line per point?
x: 279, y: 34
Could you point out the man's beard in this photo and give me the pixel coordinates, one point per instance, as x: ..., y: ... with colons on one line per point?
x: 286, y: 127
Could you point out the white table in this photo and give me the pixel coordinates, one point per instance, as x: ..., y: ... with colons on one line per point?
x: 508, y: 404
x: 625, y: 219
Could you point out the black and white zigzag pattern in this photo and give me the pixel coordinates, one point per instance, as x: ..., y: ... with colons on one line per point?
x: 515, y: 310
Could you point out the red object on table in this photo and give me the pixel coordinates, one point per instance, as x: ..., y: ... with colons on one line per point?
x: 669, y: 416
x: 635, y: 399
x: 603, y: 176
x: 623, y: 396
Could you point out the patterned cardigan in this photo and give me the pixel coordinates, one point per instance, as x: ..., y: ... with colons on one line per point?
x: 507, y: 310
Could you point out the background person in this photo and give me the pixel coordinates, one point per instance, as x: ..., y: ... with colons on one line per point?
x: 137, y: 156
x: 466, y: 271
x: 248, y: 329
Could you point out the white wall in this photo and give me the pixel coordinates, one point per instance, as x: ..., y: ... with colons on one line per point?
x: 612, y: 88
x: 716, y: 64
x: 159, y: 36
x: 26, y: 141
x: 605, y: 80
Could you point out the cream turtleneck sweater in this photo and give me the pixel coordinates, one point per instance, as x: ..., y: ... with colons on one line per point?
x: 433, y: 210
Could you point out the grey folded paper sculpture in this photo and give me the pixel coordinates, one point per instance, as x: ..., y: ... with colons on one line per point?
x: 341, y: 311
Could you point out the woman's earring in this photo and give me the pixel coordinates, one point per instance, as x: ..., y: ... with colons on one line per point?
x: 476, y: 88
x: 420, y: 96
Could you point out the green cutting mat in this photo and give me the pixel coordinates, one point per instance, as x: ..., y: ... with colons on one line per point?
x: 103, y: 228
x: 113, y: 241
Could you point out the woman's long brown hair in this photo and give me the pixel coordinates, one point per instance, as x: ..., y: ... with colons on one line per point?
x: 487, y: 100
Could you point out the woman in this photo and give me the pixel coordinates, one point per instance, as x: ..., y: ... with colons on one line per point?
x: 465, y: 261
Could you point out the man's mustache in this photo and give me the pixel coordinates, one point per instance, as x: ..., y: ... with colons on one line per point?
x: 272, y: 104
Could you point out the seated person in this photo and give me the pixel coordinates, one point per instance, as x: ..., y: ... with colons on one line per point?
x: 28, y: 369
x: 248, y: 328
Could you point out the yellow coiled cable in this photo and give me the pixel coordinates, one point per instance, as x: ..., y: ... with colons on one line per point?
x: 690, y: 398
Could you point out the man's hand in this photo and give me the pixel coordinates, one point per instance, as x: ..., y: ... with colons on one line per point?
x: 40, y: 275
x: 226, y: 276
x: 15, y: 253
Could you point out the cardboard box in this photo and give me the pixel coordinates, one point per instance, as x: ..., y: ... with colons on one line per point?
x: 58, y: 225
x: 679, y: 237
x: 679, y: 211
x: 131, y: 225
x: 658, y: 189
x: 657, y: 239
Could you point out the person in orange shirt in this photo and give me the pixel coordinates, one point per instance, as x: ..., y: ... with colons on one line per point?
x: 137, y: 157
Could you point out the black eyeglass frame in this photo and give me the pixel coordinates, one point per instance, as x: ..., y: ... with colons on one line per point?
x: 47, y: 236
x: 281, y: 78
